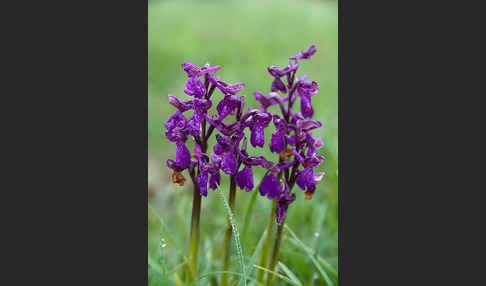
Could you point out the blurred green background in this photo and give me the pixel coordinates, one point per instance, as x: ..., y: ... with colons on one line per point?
x: 244, y: 38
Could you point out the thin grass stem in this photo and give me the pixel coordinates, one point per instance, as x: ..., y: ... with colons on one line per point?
x: 229, y: 231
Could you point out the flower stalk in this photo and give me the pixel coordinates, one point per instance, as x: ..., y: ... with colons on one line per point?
x: 276, y: 250
x: 194, y: 234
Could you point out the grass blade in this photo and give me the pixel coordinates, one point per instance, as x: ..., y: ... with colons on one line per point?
x: 253, y: 258
x: 204, y: 276
x: 327, y: 266
x: 289, y: 273
x: 177, y: 279
x: 235, y: 234
x: 310, y: 253
x: 278, y: 275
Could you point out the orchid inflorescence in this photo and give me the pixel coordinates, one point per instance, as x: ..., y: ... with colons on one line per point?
x: 293, y: 129
x: 292, y: 141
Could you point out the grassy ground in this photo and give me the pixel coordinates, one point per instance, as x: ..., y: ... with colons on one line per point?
x: 244, y: 38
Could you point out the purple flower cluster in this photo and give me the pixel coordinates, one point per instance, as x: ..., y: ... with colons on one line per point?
x: 227, y: 156
x: 293, y: 129
x: 292, y: 140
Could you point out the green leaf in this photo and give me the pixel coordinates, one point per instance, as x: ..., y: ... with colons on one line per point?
x: 289, y: 273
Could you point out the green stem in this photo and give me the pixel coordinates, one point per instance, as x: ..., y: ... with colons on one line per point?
x: 266, y: 245
x: 194, y: 235
x: 276, y: 249
x: 229, y: 231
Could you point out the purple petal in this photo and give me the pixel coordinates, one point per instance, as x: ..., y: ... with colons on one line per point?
x: 291, y: 140
x: 277, y: 143
x: 183, y: 157
x: 277, y: 71
x: 264, y: 100
x: 229, y: 164
x: 194, y: 124
x: 176, y: 128
x: 218, y: 149
x: 305, y: 179
x: 279, y: 123
x: 307, y: 125
x: 173, y: 165
x: 270, y: 187
x: 216, y: 159
x: 195, y: 87
x: 202, y: 183
x: 215, y: 180
x: 201, y: 105
x: 228, y: 105
x: 306, y: 107
x: 283, y: 202
x: 244, y: 179
x: 309, y: 88
x: 234, y: 88
x: 307, y: 54
x: 277, y: 85
x: 256, y: 161
x: 181, y: 105
x: 190, y: 69
x: 257, y: 136
x: 224, y: 142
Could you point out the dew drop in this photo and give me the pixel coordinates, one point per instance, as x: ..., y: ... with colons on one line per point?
x: 163, y: 243
x: 316, y: 234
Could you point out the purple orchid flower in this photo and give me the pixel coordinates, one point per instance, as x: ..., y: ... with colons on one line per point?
x: 176, y: 128
x: 308, y: 53
x: 193, y: 70
x: 306, y: 179
x: 277, y: 143
x: 257, y: 123
x: 306, y: 89
x: 270, y: 186
x: 229, y: 105
x: 227, y: 88
x: 225, y: 149
x: 244, y: 179
x: 264, y: 101
x: 195, y: 87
